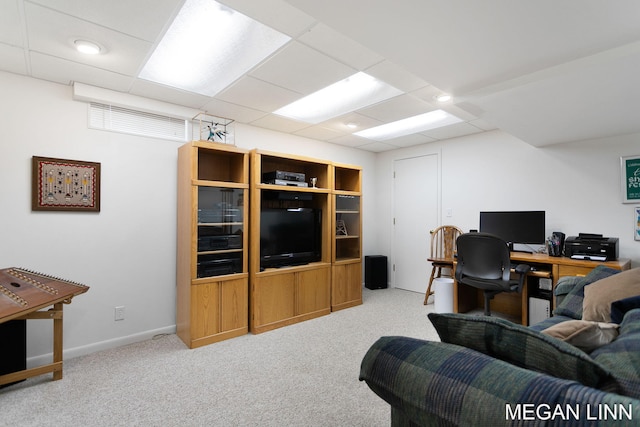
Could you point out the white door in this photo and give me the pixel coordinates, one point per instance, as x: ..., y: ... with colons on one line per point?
x: 416, y: 210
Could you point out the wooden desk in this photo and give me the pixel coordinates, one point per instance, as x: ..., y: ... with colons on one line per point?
x: 516, y: 306
x: 22, y: 294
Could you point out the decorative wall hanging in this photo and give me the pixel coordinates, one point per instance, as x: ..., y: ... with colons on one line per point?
x: 212, y: 128
x: 65, y: 185
x: 630, y: 178
x: 636, y: 234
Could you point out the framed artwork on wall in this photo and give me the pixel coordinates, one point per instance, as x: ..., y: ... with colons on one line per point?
x: 636, y: 224
x: 630, y: 179
x: 65, y: 185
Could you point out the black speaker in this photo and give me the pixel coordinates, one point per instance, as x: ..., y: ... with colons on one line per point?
x: 13, y: 357
x: 375, y: 271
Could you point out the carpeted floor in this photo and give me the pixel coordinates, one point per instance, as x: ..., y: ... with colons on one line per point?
x: 301, y: 375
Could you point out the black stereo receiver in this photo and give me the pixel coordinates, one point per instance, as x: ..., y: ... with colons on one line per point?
x: 216, y: 243
x: 270, y: 177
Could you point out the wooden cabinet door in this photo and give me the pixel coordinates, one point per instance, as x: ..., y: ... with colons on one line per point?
x: 273, y: 298
x: 234, y: 306
x: 346, y: 285
x: 312, y: 291
x: 205, y: 310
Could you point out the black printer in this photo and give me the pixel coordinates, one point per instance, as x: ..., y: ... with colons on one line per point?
x: 591, y: 246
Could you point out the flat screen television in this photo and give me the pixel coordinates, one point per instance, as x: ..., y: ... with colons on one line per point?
x: 515, y: 227
x: 290, y: 236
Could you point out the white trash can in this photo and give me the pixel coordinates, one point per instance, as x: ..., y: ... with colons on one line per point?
x: 443, y: 295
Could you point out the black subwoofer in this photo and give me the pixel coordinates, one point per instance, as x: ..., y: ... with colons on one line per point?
x: 13, y: 357
x: 375, y: 271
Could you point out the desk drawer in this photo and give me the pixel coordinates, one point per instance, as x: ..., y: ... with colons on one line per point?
x: 572, y: 270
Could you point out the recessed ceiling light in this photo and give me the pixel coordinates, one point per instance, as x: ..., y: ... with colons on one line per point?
x: 87, y: 47
x: 209, y: 46
x: 352, y: 125
x: 408, y: 126
x: 443, y: 98
x: 352, y: 93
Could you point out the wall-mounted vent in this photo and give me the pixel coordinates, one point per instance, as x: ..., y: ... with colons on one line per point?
x: 124, y: 120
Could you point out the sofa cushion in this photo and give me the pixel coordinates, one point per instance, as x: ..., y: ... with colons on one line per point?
x: 599, y: 295
x: 522, y: 347
x: 622, y: 356
x: 621, y: 307
x: 584, y: 334
x: 571, y: 305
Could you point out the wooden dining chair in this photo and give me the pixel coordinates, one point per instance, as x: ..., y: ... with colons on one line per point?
x: 443, y: 247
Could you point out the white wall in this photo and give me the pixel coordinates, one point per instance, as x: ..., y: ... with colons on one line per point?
x: 577, y: 184
x: 127, y: 252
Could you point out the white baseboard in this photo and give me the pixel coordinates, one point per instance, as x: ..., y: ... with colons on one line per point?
x: 99, y: 346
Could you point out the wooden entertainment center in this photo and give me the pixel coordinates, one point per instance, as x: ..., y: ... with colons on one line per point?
x: 515, y: 305
x: 223, y: 290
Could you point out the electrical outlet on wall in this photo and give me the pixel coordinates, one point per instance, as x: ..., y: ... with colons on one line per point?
x: 119, y: 312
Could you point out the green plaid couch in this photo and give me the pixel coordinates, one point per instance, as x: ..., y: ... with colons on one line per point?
x: 490, y: 372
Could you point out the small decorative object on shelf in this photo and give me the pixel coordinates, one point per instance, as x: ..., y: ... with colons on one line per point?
x: 212, y: 128
x: 341, y: 228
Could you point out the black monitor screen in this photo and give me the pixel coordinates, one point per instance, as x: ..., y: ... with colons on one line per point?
x: 526, y: 227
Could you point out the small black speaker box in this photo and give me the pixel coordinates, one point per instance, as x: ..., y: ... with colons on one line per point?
x: 375, y: 271
x: 13, y: 357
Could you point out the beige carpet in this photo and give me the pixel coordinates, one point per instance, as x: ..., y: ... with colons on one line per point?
x: 302, y: 375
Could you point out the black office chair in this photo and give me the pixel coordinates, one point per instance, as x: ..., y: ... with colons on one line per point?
x: 484, y: 263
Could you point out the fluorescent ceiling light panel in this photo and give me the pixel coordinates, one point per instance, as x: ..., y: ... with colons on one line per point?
x: 410, y: 125
x: 209, y: 46
x: 345, y: 96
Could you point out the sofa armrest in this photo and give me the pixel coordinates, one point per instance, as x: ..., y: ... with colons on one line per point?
x: 434, y: 383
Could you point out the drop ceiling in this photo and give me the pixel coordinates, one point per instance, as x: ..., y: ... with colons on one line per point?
x: 546, y: 72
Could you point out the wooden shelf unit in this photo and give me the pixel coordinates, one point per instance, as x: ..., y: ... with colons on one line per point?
x: 346, y: 254
x: 212, y: 243
x: 287, y: 295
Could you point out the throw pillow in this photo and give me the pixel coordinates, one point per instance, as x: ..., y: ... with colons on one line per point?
x: 522, y: 347
x: 621, y: 307
x: 599, y: 295
x: 585, y: 335
x: 571, y: 305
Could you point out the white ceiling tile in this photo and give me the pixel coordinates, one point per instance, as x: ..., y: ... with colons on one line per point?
x: 11, y: 24
x: 301, y: 69
x: 279, y: 123
x: 452, y: 131
x: 345, y: 50
x: 153, y: 90
x: 340, y: 123
x: 350, y: 140
x: 277, y: 14
x: 257, y: 94
x: 319, y: 132
x: 396, y: 76
x: 377, y: 147
x: 13, y: 59
x: 236, y: 112
x: 399, y: 107
x: 53, y: 33
x: 62, y: 71
x: 144, y: 19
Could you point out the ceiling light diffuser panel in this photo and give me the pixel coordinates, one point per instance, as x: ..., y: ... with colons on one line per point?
x: 420, y: 123
x: 209, y: 46
x: 357, y: 91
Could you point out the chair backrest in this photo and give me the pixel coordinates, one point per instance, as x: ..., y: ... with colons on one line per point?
x: 482, y: 256
x: 443, y: 241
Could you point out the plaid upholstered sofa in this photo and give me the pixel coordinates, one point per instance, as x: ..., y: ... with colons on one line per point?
x: 486, y: 371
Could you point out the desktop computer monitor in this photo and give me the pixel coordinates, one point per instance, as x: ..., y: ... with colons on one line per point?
x: 515, y: 227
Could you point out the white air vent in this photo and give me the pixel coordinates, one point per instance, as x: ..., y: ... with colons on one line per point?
x: 118, y: 119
